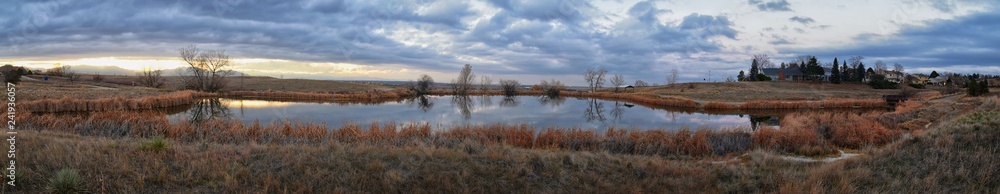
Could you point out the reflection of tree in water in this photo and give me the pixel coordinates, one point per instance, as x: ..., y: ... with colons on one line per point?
x: 756, y: 121
x: 509, y: 101
x: 423, y: 102
x: 595, y: 111
x: 618, y: 111
x: 208, y: 109
x: 554, y: 101
x: 464, y: 104
x: 485, y: 101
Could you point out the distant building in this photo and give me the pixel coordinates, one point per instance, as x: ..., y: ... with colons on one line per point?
x: 894, y: 76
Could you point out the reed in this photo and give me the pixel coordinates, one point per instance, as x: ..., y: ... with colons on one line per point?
x: 68, y: 104
x: 800, y: 133
x: 720, y: 105
x: 830, y: 103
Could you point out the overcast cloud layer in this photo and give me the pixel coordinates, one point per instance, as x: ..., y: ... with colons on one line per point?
x: 521, y: 39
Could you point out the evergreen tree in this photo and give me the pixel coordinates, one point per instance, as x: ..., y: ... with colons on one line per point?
x: 934, y: 74
x: 754, y: 70
x: 835, y: 72
x: 845, y: 73
x: 973, y: 88
x: 859, y: 72
x: 984, y: 87
x: 741, y: 77
x: 783, y: 65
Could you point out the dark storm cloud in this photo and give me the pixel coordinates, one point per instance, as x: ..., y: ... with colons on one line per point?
x: 524, y: 37
x: 779, y: 5
x: 964, y: 41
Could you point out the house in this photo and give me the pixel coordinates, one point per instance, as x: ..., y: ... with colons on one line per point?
x: 939, y: 80
x: 894, y: 76
x: 782, y: 74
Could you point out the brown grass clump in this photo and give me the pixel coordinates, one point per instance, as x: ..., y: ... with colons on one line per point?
x: 834, y: 103
x: 68, y: 104
x: 721, y: 105
x: 818, y: 132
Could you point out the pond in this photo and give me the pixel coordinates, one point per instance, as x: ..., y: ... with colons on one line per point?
x: 443, y: 112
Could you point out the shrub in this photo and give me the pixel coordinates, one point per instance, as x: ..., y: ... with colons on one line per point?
x: 157, y: 144
x: 66, y: 181
x: 918, y: 86
x: 879, y: 82
x: 97, y: 78
x: 509, y: 87
x: 762, y: 77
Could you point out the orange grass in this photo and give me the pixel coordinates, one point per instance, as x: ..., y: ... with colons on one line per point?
x: 832, y: 103
x: 68, y: 104
x: 812, y: 132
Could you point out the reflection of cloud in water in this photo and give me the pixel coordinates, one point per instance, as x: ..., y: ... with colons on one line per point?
x: 256, y: 104
x: 718, y: 120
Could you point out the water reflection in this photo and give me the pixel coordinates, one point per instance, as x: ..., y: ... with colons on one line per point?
x: 423, y: 102
x: 509, y: 102
x: 595, y: 111
x: 208, y: 109
x: 464, y: 105
x: 618, y: 111
x: 553, y: 101
x: 538, y: 111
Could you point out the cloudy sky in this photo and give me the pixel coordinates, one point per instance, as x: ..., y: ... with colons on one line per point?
x: 528, y: 40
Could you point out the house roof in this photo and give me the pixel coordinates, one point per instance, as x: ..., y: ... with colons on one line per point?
x: 786, y: 71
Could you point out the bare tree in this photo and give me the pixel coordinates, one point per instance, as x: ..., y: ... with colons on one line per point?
x: 151, y: 78
x: 485, y: 82
x: 672, y: 78
x: 898, y: 67
x: 589, y: 76
x: 618, y: 80
x: 59, y: 70
x: 463, y: 83
x: 764, y: 61
x: 424, y: 84
x: 640, y: 83
x: 551, y: 88
x: 855, y: 61
x: 880, y: 67
x: 599, y: 80
x: 207, y: 70
x: 509, y: 87
x: 97, y: 77
x: 69, y: 73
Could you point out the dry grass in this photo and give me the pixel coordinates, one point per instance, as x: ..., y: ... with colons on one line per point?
x: 959, y: 156
x: 68, y: 104
x: 749, y: 91
x: 832, y: 103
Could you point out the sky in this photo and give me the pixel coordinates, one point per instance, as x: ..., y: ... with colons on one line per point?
x: 525, y: 40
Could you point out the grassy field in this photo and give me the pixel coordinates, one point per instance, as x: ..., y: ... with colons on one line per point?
x: 923, y: 146
x: 128, y: 153
x: 748, y: 91
x: 35, y: 88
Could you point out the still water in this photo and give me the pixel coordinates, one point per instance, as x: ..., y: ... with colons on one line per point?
x: 443, y: 112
